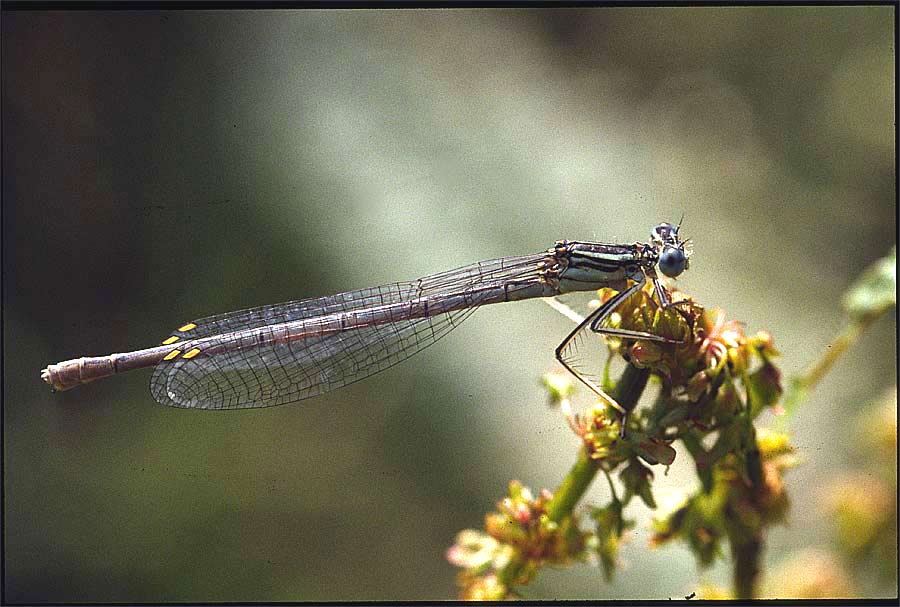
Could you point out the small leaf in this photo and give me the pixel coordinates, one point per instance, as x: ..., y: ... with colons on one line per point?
x: 698, y: 385
x: 727, y: 402
x: 656, y: 451
x: 636, y: 478
x: 729, y: 441
x: 610, y: 527
x: 764, y: 344
x: 764, y: 388
x: 558, y: 385
x: 876, y: 289
x: 674, y: 416
x: 646, y: 353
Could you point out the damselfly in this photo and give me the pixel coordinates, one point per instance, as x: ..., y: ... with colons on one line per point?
x: 284, y: 353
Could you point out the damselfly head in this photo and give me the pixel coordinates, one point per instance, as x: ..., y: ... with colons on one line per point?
x: 673, y: 256
x: 664, y: 233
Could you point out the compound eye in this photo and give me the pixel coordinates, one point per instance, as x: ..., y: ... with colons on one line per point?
x: 672, y: 262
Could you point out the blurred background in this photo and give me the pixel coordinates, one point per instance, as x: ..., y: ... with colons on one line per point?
x: 164, y: 166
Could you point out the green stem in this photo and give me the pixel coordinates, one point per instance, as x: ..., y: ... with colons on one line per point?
x: 630, y: 387
x: 701, y: 460
x: 747, y: 545
x: 573, y: 487
x: 627, y: 392
x: 753, y: 460
x: 834, y: 351
x: 746, y: 567
x: 801, y: 386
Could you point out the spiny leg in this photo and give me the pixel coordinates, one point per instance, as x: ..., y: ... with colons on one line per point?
x: 597, y: 326
x: 593, y: 320
x: 663, y: 297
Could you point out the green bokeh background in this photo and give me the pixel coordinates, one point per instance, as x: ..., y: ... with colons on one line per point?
x: 162, y: 166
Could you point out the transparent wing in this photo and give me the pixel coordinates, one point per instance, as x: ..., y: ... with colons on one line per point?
x: 278, y: 372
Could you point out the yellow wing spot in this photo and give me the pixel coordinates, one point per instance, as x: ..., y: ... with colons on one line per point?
x: 187, y: 327
x: 191, y: 353
x: 171, y: 340
x: 172, y: 354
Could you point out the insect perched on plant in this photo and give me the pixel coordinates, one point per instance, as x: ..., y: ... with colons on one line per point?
x: 284, y: 353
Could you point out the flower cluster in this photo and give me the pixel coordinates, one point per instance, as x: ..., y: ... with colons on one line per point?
x: 599, y: 431
x: 710, y: 370
x: 736, y: 507
x: 714, y: 381
x: 519, y: 539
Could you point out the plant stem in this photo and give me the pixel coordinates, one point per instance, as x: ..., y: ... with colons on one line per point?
x: 627, y: 392
x: 801, y: 386
x: 843, y: 341
x: 701, y: 460
x: 747, y: 544
x: 573, y: 487
x: 746, y: 566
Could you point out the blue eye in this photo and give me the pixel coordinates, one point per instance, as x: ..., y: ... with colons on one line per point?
x: 672, y: 262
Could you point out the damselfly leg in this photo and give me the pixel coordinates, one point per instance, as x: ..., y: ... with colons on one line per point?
x: 594, y: 323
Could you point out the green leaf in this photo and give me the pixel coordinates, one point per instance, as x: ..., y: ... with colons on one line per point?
x: 876, y: 289
x: 656, y: 451
x: 674, y: 416
x: 729, y: 441
x: 558, y: 387
x: 636, y: 478
x: 764, y: 388
x: 610, y: 527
